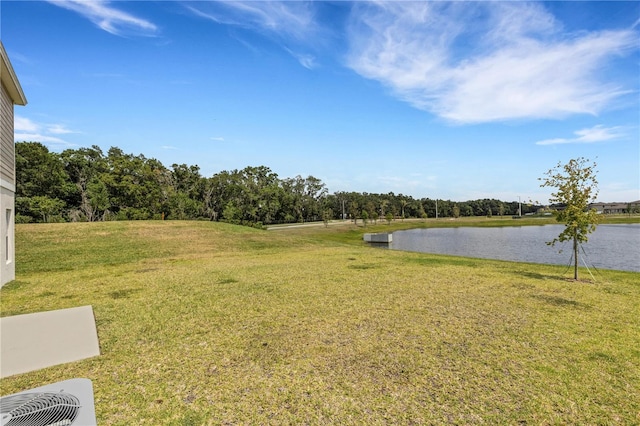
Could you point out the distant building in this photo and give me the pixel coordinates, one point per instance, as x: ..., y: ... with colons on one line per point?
x: 617, y: 208
x: 11, y: 94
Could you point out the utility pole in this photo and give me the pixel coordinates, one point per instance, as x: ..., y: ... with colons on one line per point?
x: 436, y: 208
x: 519, y: 207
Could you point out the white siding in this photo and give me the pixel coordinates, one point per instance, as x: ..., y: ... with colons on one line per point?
x: 10, y: 95
x: 7, y: 189
x: 7, y: 147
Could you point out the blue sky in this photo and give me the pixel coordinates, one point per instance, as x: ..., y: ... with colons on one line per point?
x: 452, y: 100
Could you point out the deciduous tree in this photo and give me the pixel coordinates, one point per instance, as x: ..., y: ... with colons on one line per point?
x: 576, y: 187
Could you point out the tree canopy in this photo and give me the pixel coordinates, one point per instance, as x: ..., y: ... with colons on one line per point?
x: 87, y: 184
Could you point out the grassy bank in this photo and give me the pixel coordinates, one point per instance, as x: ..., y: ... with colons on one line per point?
x: 205, y: 323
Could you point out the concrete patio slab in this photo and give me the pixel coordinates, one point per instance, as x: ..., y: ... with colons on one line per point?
x: 34, y: 341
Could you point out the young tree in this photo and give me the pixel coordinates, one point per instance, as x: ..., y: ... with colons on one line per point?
x: 365, y: 217
x: 353, y: 211
x: 577, y: 187
x: 456, y: 211
x: 327, y: 215
x: 389, y: 217
x: 374, y: 217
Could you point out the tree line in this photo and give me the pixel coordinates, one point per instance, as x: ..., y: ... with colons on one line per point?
x: 86, y: 184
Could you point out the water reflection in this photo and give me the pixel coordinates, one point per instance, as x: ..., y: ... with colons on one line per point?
x: 609, y: 247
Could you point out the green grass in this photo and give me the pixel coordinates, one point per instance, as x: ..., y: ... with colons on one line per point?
x: 207, y: 323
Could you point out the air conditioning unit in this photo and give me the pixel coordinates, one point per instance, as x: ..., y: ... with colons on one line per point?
x: 59, y: 404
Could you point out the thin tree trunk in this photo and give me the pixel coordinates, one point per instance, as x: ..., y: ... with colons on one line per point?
x: 575, y: 255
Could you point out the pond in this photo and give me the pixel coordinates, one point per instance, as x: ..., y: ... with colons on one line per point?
x: 609, y: 247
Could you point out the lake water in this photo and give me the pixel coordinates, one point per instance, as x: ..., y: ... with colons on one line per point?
x: 609, y: 247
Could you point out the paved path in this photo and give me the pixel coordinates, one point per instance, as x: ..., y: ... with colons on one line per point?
x: 33, y: 341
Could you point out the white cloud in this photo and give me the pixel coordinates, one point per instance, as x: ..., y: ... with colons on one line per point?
x: 37, y: 137
x: 306, y: 60
x: 473, y: 62
x: 594, y: 134
x: 293, y: 21
x: 22, y: 124
x: 26, y: 129
x: 109, y: 19
x: 217, y: 138
x: 59, y: 129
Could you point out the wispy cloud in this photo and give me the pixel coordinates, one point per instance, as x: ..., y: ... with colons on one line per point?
x: 484, y: 61
x: 108, y: 18
x: 289, y: 22
x: 59, y: 129
x: 292, y: 19
x: 217, y: 139
x: 26, y: 129
x: 594, y: 134
x: 22, y: 124
x: 306, y: 60
x: 51, y: 141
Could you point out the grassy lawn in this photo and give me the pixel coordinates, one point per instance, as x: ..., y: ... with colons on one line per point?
x: 208, y: 323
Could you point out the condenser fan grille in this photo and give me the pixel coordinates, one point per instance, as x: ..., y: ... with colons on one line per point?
x: 39, y: 409
x: 59, y: 404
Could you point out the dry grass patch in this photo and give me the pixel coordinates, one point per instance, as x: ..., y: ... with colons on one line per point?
x: 203, y: 323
